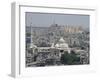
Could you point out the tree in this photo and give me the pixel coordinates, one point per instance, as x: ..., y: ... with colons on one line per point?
x: 70, y: 59
x: 28, y: 34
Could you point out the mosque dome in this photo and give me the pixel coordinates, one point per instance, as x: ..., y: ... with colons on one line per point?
x: 61, y: 40
x: 57, y: 45
x: 61, y: 43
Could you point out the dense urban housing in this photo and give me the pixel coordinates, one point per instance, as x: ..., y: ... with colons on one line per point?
x: 57, y: 45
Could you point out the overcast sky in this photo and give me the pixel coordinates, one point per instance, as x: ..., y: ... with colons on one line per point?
x: 45, y: 20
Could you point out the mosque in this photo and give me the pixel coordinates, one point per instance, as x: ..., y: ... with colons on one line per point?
x: 53, y: 52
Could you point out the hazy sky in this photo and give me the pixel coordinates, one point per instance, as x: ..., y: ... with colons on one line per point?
x: 45, y: 20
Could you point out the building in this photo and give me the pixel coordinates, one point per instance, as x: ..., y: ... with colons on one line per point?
x: 47, y: 53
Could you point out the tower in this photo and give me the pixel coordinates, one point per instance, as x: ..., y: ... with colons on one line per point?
x: 31, y: 37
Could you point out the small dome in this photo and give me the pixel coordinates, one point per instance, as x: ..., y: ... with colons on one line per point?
x: 52, y: 46
x: 57, y: 45
x: 62, y: 40
x: 33, y: 46
x: 61, y: 44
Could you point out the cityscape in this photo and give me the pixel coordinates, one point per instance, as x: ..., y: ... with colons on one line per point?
x: 57, y: 44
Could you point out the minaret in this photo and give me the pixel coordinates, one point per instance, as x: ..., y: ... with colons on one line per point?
x: 53, y: 21
x: 31, y: 31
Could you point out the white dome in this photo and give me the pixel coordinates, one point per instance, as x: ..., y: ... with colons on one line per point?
x: 61, y: 44
x: 57, y: 45
x: 62, y: 40
x: 52, y: 46
x: 33, y: 46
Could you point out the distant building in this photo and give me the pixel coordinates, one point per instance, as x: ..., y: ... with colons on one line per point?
x: 73, y: 29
